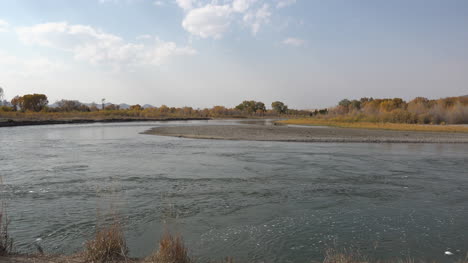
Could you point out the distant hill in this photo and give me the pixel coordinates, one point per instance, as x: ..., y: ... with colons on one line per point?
x: 124, y: 106
x: 53, y: 105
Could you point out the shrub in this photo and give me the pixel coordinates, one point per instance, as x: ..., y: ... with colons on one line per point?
x: 107, y: 246
x: 5, y: 108
x: 171, y: 250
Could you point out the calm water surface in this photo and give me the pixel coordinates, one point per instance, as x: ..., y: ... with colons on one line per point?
x: 255, y: 201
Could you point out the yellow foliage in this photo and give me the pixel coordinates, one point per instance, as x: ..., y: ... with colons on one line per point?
x: 377, y: 125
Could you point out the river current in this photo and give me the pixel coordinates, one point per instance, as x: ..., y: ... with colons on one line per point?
x: 253, y: 201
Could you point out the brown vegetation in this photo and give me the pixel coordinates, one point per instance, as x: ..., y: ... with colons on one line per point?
x: 6, y: 242
x: 336, y: 256
x: 376, y: 125
x: 108, y: 245
x: 452, y: 110
x: 171, y: 250
x: 34, y: 107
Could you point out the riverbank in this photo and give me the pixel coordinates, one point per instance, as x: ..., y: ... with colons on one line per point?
x: 377, y: 125
x: 307, y: 134
x: 15, y: 123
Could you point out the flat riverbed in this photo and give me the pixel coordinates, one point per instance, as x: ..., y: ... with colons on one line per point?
x: 306, y: 134
x: 257, y: 201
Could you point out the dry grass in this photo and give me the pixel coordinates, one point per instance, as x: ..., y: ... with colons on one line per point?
x: 108, y: 245
x: 378, y: 125
x: 171, y: 250
x: 6, y: 242
x: 335, y: 256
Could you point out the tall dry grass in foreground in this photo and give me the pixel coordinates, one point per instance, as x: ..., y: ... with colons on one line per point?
x: 108, y: 245
x: 335, y: 256
x: 171, y: 250
x: 6, y: 242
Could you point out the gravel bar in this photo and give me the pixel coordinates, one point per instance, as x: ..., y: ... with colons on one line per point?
x: 306, y: 134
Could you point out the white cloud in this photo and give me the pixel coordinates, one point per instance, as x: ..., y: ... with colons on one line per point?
x: 285, y: 3
x: 186, y: 4
x: 215, y: 18
x: 3, y: 26
x: 97, y: 47
x: 256, y: 19
x: 20, y: 67
x: 208, y: 21
x: 242, y: 5
x: 158, y: 3
x: 295, y: 42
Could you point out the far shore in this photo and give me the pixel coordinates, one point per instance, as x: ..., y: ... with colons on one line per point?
x: 15, y: 123
x: 306, y: 134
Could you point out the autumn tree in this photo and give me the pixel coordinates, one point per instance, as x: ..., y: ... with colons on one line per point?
x: 136, y: 107
x: 112, y: 107
x: 187, y: 111
x: 164, y: 109
x: 388, y: 105
x: 219, y: 111
x: 251, y: 106
x: 30, y: 102
x: 247, y: 106
x: 34, y: 102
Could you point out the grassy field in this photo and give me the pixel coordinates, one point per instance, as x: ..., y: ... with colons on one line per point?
x: 377, y: 125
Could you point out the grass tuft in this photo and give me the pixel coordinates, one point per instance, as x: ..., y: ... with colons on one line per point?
x: 108, y: 245
x: 335, y: 256
x: 6, y: 242
x: 171, y: 250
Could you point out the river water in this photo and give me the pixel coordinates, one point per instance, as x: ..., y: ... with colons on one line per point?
x: 254, y: 201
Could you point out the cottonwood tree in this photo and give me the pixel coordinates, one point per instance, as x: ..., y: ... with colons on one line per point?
x: 30, y: 102
x: 136, y: 107
x: 251, y: 106
x: 279, y: 107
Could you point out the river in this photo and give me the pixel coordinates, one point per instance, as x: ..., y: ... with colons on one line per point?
x: 254, y: 201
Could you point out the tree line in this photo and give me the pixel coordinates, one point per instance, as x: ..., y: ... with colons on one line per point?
x: 450, y: 110
x: 38, y: 103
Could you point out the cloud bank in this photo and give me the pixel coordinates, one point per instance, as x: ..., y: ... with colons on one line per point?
x: 94, y: 46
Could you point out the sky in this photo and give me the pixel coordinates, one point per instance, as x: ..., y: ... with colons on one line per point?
x: 201, y: 53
